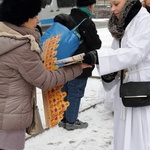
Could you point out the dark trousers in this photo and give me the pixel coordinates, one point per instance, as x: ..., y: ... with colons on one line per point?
x: 75, y: 91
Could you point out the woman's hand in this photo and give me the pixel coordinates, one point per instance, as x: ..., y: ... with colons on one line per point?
x: 84, y: 65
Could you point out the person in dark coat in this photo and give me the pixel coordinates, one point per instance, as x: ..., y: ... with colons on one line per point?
x: 75, y: 89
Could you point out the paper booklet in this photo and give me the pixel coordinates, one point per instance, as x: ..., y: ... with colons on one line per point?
x: 70, y: 60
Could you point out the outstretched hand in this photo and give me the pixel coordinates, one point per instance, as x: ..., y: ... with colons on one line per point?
x: 84, y: 65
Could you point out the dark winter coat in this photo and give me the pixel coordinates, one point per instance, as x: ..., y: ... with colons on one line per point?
x: 87, y: 30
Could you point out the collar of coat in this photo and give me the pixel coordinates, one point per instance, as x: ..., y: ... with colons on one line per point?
x: 116, y: 25
x: 20, y: 33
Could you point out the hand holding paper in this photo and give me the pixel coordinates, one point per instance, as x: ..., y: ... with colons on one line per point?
x: 70, y: 60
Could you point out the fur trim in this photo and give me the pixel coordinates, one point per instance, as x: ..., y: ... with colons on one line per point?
x: 12, y: 33
x: 117, y: 26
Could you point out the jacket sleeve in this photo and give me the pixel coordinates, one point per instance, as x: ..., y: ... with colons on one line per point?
x: 134, y: 53
x: 89, y: 34
x: 34, y: 72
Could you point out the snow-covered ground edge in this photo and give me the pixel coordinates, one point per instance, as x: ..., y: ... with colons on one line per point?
x: 98, y: 135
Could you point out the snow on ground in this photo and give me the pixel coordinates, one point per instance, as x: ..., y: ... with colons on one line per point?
x: 98, y: 135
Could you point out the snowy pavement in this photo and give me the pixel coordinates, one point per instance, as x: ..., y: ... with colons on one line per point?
x: 98, y: 135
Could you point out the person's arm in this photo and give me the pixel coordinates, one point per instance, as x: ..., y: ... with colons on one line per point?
x: 35, y: 73
x: 135, y: 48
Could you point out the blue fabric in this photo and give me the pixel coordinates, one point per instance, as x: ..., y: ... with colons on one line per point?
x: 75, y: 91
x: 47, y: 21
x: 69, y: 40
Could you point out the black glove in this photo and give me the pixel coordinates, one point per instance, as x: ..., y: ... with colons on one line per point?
x: 91, y: 58
x: 109, y: 77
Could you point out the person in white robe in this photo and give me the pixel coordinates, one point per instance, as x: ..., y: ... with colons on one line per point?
x: 129, y: 25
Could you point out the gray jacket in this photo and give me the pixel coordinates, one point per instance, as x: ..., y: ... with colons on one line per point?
x: 21, y: 70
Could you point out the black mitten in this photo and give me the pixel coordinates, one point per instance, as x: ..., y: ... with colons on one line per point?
x: 91, y: 58
x: 109, y: 77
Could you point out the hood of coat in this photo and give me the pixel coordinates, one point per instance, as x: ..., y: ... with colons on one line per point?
x: 12, y: 37
x: 65, y: 20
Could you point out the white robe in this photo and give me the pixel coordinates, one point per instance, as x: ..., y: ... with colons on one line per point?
x: 131, y: 125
